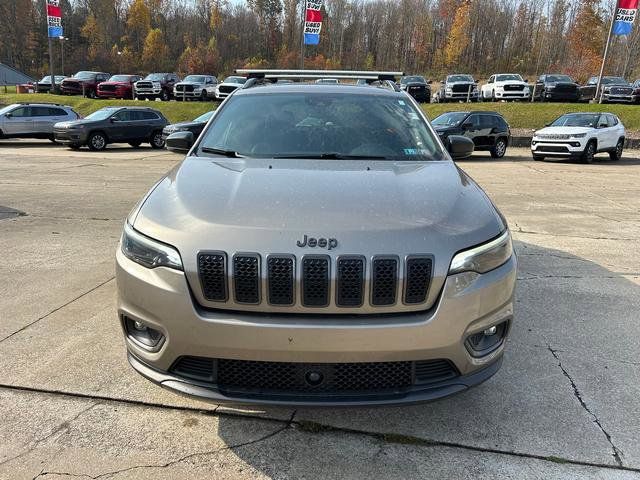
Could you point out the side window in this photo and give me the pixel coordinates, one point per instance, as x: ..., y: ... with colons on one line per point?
x: 491, y: 78
x: 592, y: 81
x: 40, y: 111
x: 474, y: 120
x: 21, y: 112
x: 541, y: 79
x: 122, y: 116
x: 149, y: 115
x: 488, y: 121
x: 602, y: 121
x: 613, y: 121
x: 57, y: 112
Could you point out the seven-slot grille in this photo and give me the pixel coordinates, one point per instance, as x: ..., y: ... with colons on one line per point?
x: 354, y: 279
x: 259, y: 377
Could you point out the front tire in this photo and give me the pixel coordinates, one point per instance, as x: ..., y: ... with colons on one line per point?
x: 499, y: 149
x: 135, y: 144
x: 91, y: 94
x: 616, y: 154
x: 203, y: 96
x: 164, y: 96
x: 97, y: 141
x: 589, y: 153
x: 156, y: 140
x: 538, y: 158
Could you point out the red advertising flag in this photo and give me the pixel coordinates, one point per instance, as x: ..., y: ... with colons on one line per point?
x: 54, y: 11
x: 313, y: 16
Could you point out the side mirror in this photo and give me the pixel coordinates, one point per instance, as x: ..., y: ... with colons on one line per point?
x: 459, y: 147
x: 180, y: 142
x: 526, y: 80
x: 8, y: 115
x: 113, y: 120
x: 467, y: 125
x: 602, y: 125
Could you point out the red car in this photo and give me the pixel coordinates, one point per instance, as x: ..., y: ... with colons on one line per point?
x: 83, y: 83
x: 118, y: 86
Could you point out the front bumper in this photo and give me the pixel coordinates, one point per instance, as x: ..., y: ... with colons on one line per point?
x: 76, y: 137
x: 161, y: 299
x: 148, y: 92
x: 552, y: 95
x: 456, y: 96
x: 610, y: 98
x: 571, y: 149
x: 512, y: 94
x: 118, y: 93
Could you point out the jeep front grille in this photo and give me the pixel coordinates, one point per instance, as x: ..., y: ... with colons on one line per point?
x: 350, y: 282
x: 315, y: 281
x: 280, y: 278
x: 346, y: 283
x: 246, y: 278
x: 385, y: 274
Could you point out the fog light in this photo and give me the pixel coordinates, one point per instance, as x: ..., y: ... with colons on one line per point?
x: 143, y: 335
x: 485, y: 342
x: 490, y: 331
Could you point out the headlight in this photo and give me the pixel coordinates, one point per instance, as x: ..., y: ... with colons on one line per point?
x: 484, y: 258
x: 147, y: 252
x: 578, y: 135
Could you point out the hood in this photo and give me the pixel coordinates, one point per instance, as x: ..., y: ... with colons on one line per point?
x: 444, y: 128
x: 555, y: 84
x: 72, y: 123
x: 266, y: 206
x: 230, y: 84
x: 191, y: 83
x: 174, y: 126
x: 122, y: 84
x: 563, y: 130
x: 461, y: 83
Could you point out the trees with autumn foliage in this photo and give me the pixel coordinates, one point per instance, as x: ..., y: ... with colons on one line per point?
x: 432, y: 37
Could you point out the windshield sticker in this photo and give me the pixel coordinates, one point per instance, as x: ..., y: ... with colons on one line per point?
x: 415, y: 151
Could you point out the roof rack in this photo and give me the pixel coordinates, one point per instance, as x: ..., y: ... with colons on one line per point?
x: 315, y: 74
x: 40, y: 103
x: 261, y: 76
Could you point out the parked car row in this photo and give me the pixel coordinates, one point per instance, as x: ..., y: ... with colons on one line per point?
x: 165, y: 86
x: 511, y: 86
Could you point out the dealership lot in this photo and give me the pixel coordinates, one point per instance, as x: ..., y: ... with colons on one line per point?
x: 565, y: 405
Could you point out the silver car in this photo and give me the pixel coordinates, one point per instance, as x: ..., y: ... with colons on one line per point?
x: 33, y: 120
x: 317, y: 246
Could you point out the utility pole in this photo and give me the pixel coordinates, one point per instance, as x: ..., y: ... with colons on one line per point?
x: 598, y: 96
x: 62, y: 39
x: 304, y: 9
x: 53, y: 78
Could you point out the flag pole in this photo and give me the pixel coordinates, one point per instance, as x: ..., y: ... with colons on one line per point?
x: 304, y: 7
x: 53, y: 78
x: 598, y: 96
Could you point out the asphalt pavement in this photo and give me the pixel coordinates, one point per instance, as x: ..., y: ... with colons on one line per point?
x: 566, y: 403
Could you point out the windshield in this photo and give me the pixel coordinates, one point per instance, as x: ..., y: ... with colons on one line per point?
x: 449, y: 119
x: 8, y: 108
x: 47, y: 79
x: 321, y: 125
x: 614, y: 80
x: 155, y: 76
x: 102, y: 114
x: 204, y: 117
x: 505, y: 78
x: 413, y: 79
x: 327, y: 80
x: 460, y: 78
x: 120, y: 78
x: 235, y: 80
x: 577, y: 120
x: 195, y: 78
x: 84, y: 75
x: 558, y: 78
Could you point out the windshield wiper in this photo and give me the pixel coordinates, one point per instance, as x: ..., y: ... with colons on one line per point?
x: 331, y: 156
x: 220, y: 151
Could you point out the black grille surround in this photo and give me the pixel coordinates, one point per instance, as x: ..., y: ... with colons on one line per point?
x: 314, y: 284
x: 259, y: 378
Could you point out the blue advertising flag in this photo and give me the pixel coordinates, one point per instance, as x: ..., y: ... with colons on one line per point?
x: 55, y: 32
x: 625, y: 16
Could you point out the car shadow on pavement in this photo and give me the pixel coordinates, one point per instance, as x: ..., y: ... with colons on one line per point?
x: 566, y: 392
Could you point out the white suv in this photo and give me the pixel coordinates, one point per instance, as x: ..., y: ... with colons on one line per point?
x: 580, y: 136
x: 506, y: 86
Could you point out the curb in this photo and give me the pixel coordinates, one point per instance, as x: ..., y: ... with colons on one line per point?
x: 524, y: 142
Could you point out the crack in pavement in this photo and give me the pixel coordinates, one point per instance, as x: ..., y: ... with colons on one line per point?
x: 57, y: 309
x: 63, y: 426
x: 617, y: 453
x: 171, y: 463
x: 315, y: 428
x: 582, y: 237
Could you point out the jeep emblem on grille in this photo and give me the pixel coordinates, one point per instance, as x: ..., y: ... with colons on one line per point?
x: 328, y: 243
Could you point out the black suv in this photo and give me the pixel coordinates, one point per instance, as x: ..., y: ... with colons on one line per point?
x: 488, y: 130
x: 560, y: 88
x: 195, y: 126
x: 417, y: 87
x: 132, y: 125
